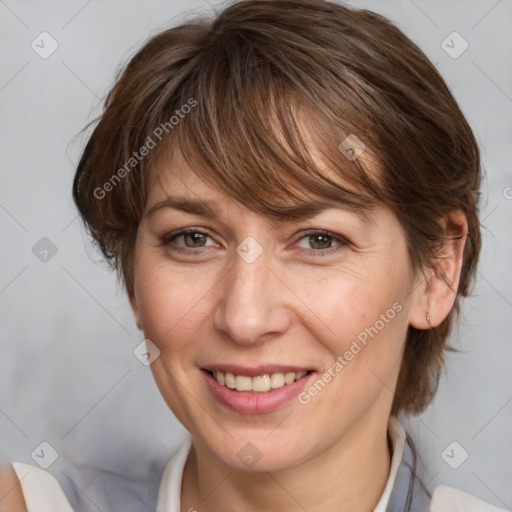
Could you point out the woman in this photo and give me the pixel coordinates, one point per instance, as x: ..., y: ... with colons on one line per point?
x: 290, y: 195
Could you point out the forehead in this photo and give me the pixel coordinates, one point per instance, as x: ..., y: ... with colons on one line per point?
x: 174, y: 184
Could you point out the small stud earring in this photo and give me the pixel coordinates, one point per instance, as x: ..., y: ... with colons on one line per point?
x: 427, y: 316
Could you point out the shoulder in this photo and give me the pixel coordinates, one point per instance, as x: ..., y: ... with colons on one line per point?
x: 112, y: 489
x: 85, y: 489
x: 11, y: 494
x: 449, y: 499
x: 39, y: 489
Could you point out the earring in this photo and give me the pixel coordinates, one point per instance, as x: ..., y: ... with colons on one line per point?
x: 427, y: 316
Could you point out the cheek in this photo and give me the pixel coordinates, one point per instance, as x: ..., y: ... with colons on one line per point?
x: 361, y: 318
x: 344, y: 305
x: 169, y: 301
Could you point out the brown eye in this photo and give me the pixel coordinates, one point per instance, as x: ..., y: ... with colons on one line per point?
x: 195, y: 239
x: 320, y: 243
x: 187, y: 239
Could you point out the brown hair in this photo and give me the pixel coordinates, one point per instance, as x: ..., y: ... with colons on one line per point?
x: 246, y: 97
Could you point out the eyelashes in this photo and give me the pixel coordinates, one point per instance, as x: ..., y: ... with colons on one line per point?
x: 196, y: 237
x: 316, y: 233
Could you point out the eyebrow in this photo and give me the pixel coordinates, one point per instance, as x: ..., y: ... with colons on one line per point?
x: 300, y: 211
x: 185, y: 204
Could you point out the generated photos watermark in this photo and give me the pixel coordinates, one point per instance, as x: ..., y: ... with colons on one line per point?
x: 354, y: 349
x: 150, y: 143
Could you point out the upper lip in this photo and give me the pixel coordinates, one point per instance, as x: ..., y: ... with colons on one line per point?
x: 254, y: 371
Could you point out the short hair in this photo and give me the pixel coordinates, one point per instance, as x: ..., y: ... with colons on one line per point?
x: 246, y: 96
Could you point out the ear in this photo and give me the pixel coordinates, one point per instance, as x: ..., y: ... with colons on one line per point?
x: 135, y: 308
x: 435, y: 292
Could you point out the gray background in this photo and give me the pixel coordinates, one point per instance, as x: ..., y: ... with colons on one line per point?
x: 68, y: 375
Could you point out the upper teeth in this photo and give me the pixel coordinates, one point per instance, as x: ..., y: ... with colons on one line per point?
x: 260, y: 383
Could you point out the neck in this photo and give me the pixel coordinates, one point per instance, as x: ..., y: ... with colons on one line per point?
x: 350, y: 476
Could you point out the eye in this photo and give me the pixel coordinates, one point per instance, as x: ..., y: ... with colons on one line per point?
x: 191, y: 237
x: 321, y: 242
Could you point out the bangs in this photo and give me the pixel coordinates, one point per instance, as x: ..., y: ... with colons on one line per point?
x: 256, y: 136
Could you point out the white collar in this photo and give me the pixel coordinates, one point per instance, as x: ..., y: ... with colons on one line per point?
x: 169, y: 493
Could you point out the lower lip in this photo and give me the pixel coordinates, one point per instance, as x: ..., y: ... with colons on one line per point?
x: 255, y: 402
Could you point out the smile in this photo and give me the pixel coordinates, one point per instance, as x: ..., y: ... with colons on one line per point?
x: 266, y: 389
x: 258, y: 383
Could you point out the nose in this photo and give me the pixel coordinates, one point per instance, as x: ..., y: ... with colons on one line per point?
x: 252, y: 302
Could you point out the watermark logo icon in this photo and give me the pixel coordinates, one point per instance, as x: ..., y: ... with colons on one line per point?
x: 44, y: 455
x: 454, y: 455
x: 44, y: 250
x: 454, y: 45
x: 44, y: 45
x: 249, y: 454
x: 352, y: 147
x: 249, y: 250
x: 146, y: 352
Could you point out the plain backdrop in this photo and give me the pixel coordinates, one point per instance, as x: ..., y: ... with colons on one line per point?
x: 68, y: 375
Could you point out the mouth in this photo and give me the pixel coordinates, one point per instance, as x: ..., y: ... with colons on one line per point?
x: 255, y: 390
x: 259, y: 383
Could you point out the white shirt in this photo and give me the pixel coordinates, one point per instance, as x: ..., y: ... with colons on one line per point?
x: 43, y: 494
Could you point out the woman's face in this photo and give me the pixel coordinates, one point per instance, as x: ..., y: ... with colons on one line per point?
x: 243, y: 295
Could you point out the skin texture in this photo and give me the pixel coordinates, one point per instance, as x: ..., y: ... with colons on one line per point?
x: 208, y: 306
x: 11, y: 495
